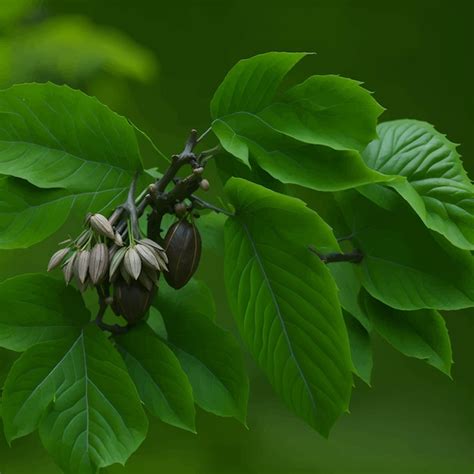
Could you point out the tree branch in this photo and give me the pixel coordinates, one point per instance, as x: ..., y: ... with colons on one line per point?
x: 353, y: 257
x: 199, y: 203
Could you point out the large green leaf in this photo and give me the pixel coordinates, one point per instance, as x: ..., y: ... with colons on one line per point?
x: 405, y: 265
x: 285, y: 301
x: 210, y: 356
x: 58, y: 138
x: 37, y: 308
x: 436, y: 185
x: 421, y: 334
x: 326, y: 110
x: 78, y: 392
x: 289, y: 160
x: 163, y: 386
x: 361, y: 348
x: 251, y: 84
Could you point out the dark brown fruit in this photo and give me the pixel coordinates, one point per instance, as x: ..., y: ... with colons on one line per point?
x: 132, y: 300
x: 183, y: 248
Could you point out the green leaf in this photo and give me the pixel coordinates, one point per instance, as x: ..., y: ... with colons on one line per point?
x: 285, y: 301
x: 37, y: 308
x: 210, y: 356
x: 251, y: 84
x: 77, y: 391
x: 196, y: 297
x: 161, y: 383
x: 228, y: 167
x: 361, y: 348
x: 405, y: 265
x: 421, y: 334
x: 156, y: 323
x: 211, y: 228
x: 7, y: 358
x: 246, y: 135
x: 326, y: 110
x: 349, y: 284
x: 436, y: 186
x: 29, y: 214
x: 56, y: 137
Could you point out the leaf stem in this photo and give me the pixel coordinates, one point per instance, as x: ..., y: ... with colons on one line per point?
x: 353, y: 257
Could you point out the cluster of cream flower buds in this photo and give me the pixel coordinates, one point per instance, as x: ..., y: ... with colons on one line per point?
x: 99, y: 255
x: 142, y: 261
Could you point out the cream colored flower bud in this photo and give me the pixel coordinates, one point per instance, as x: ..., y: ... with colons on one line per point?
x: 68, y: 268
x: 204, y: 185
x: 57, y: 258
x: 102, y: 226
x: 118, y: 239
x: 116, y: 261
x: 147, y: 256
x: 151, y: 243
x: 99, y: 262
x: 132, y: 263
x: 162, y: 261
x: 82, y: 265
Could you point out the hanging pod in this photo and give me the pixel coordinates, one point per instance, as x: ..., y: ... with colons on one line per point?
x: 183, y: 248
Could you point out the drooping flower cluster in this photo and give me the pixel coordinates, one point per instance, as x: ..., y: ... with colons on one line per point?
x: 99, y: 255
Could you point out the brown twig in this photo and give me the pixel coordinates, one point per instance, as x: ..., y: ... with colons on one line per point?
x: 353, y: 257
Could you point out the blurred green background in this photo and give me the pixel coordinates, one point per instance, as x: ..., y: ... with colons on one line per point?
x: 159, y: 64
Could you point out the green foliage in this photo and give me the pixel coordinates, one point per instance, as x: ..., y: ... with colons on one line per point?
x: 96, y: 418
x: 291, y: 161
x: 163, y: 386
x: 310, y: 136
x: 326, y: 110
x: 421, y: 334
x: 285, y: 301
x: 209, y: 355
x: 405, y: 265
x: 31, y: 315
x: 79, y: 151
x: 251, y: 84
x: 436, y: 185
x: 361, y: 348
x: 306, y: 303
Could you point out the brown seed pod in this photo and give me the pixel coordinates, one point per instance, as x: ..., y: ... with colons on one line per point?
x: 133, y: 300
x: 183, y: 248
